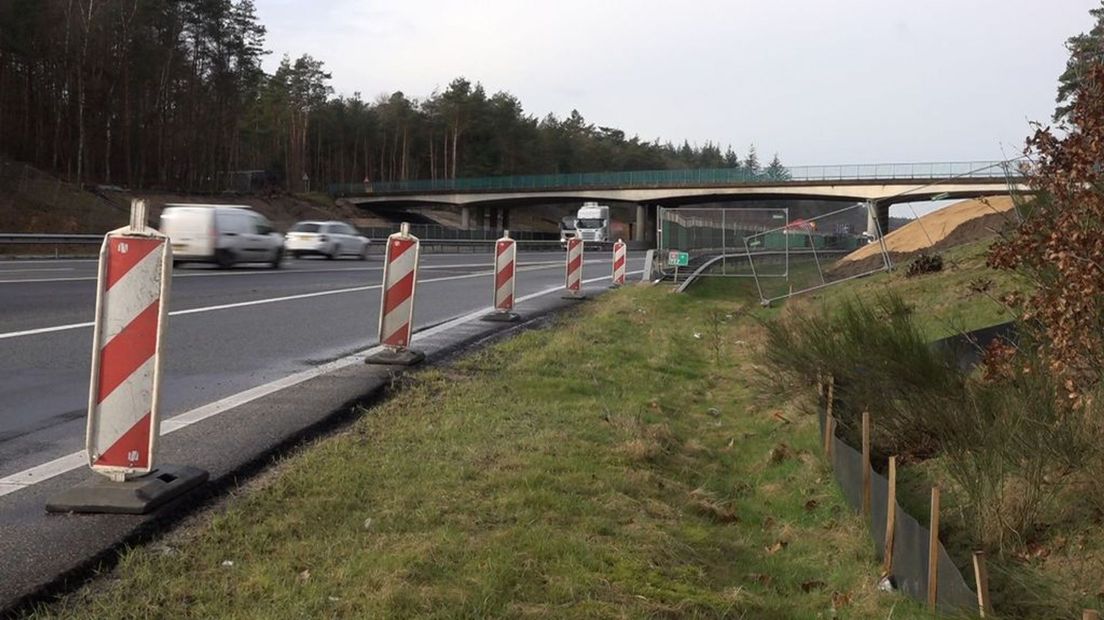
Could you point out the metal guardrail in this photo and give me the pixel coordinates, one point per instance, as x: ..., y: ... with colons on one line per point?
x: 93, y: 239
x: 700, y: 177
x: 49, y: 239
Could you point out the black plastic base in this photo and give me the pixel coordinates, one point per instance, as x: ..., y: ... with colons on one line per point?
x: 135, y: 497
x: 577, y: 297
x: 501, y: 317
x: 396, y: 357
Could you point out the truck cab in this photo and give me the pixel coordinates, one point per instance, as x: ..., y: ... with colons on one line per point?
x: 593, y: 223
x: 567, y: 229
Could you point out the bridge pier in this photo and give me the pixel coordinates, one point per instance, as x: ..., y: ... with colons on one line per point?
x: 505, y: 218
x: 465, y: 217
x: 881, y: 213
x: 640, y: 234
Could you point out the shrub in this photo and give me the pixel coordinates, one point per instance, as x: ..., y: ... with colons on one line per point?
x: 1007, y: 444
x: 924, y: 263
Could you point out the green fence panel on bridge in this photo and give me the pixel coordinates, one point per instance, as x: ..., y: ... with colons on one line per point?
x: 692, y: 177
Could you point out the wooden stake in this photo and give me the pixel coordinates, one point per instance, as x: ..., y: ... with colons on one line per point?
x: 981, y: 582
x: 866, y: 482
x: 933, y: 550
x: 1090, y: 614
x: 829, y: 435
x: 891, y: 516
x: 831, y: 393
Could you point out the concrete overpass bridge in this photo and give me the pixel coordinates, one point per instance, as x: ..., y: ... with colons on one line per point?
x: 882, y: 184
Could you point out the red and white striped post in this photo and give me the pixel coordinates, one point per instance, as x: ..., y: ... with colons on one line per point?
x: 132, y: 298
x: 131, y: 306
x: 396, y: 320
x: 505, y: 268
x: 620, y: 258
x: 573, y: 272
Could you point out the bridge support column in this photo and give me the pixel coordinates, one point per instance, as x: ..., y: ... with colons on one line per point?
x: 641, y: 231
x: 881, y: 212
x: 480, y: 218
x: 494, y: 218
x: 505, y: 218
x: 465, y: 218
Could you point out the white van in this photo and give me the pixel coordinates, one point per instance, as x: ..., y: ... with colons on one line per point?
x: 221, y: 234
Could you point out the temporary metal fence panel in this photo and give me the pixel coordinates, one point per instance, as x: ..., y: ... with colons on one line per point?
x: 714, y: 239
x: 815, y: 247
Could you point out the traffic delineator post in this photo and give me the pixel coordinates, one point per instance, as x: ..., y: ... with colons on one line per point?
x: 396, y: 320
x: 132, y: 296
x: 620, y: 259
x: 573, y: 270
x: 505, y: 270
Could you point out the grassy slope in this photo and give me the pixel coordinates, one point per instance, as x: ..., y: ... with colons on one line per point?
x: 608, y: 467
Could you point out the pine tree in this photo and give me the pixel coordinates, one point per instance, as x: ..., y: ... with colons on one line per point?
x: 776, y: 171
x: 751, y: 162
x: 1085, y: 50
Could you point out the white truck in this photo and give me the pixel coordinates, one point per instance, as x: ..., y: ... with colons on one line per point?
x: 592, y: 223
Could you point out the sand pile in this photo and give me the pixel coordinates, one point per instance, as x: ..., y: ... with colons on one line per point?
x: 956, y: 224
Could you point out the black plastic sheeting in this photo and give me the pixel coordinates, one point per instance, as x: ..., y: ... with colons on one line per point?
x: 968, y: 348
x: 910, y: 539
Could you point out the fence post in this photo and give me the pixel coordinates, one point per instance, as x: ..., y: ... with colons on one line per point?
x: 1090, y: 614
x: 891, y: 517
x: 866, y: 464
x: 933, y: 550
x: 981, y: 582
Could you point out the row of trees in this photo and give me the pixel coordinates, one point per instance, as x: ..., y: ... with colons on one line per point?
x: 171, y: 94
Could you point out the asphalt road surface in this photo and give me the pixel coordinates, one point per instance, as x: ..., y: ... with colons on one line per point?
x: 228, y: 331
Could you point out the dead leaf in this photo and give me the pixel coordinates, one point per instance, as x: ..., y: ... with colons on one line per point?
x: 760, y: 578
x: 776, y: 547
x: 840, y: 600
x: 815, y: 584
x: 811, y: 505
x: 304, y: 576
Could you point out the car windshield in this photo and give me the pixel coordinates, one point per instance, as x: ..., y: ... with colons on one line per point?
x: 305, y: 227
x: 590, y: 223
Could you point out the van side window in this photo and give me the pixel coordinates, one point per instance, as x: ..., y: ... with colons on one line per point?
x: 262, y: 225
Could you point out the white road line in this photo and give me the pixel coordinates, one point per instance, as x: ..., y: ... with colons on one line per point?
x: 251, y: 272
x: 255, y: 302
x: 76, y: 460
x: 36, y: 270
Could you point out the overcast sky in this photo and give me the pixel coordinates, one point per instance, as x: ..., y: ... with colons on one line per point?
x: 818, y: 81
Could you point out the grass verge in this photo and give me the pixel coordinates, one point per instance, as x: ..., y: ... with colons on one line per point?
x: 617, y: 465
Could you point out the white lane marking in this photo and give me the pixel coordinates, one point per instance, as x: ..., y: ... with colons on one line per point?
x: 35, y: 270
x: 253, y: 272
x: 255, y: 302
x: 76, y: 460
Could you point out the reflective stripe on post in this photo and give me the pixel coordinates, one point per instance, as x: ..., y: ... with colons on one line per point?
x: 620, y: 257
x: 573, y: 275
x: 132, y: 298
x: 400, y: 275
x: 505, y: 268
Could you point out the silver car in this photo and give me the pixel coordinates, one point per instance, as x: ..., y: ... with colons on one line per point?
x: 331, y: 239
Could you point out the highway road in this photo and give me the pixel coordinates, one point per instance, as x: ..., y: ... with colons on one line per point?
x: 228, y: 331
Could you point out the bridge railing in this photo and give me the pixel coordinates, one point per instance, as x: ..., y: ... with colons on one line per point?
x: 684, y: 178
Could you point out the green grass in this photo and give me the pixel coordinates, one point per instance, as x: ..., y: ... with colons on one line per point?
x: 963, y: 297
x: 618, y: 464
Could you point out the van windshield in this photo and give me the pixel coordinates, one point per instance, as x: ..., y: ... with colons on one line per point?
x: 306, y: 227
x: 590, y: 223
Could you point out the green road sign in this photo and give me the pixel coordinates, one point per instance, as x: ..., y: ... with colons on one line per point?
x: 677, y: 259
